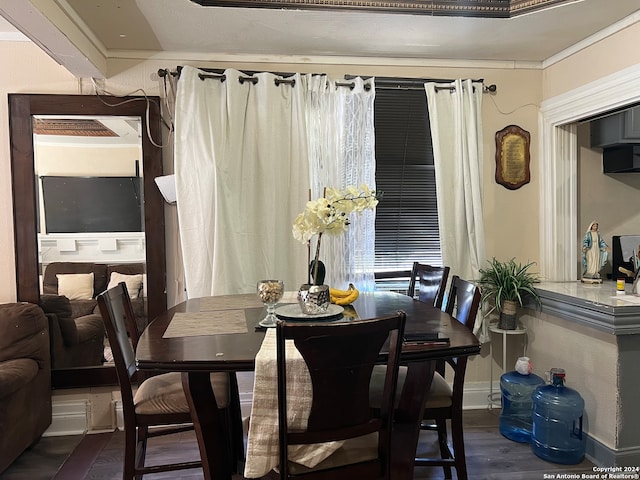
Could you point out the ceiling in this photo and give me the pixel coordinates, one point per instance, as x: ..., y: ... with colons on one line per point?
x: 85, y: 35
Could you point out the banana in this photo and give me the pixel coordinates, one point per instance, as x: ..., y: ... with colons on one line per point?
x: 344, y: 297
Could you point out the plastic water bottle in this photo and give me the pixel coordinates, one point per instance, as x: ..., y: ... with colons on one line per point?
x: 557, y: 422
x: 517, y: 389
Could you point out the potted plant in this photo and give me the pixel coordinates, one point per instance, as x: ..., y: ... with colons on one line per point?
x: 506, y: 285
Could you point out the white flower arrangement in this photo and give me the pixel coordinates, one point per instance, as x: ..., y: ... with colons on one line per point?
x: 330, y: 214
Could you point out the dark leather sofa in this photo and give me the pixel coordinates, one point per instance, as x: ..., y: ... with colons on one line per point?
x: 76, y: 326
x: 25, y: 379
x: 74, y: 342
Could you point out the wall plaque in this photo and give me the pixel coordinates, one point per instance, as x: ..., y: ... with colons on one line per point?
x: 512, y: 157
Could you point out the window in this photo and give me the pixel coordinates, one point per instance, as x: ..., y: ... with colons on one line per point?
x: 407, y: 217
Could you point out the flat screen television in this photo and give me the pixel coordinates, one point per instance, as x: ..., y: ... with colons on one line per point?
x: 92, y: 204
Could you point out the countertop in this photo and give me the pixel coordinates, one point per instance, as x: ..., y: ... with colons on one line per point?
x: 596, y: 305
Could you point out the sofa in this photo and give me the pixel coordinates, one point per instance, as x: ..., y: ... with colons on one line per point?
x: 69, y: 300
x: 25, y: 379
x: 74, y: 342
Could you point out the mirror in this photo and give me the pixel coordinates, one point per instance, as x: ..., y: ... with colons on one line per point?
x: 35, y: 186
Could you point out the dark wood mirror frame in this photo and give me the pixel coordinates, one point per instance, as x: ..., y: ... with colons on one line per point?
x: 21, y: 109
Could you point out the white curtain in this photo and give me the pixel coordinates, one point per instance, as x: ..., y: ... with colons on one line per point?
x: 242, y: 175
x: 342, y: 153
x: 455, y: 113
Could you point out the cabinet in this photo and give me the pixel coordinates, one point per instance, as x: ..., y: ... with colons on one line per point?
x: 616, y: 129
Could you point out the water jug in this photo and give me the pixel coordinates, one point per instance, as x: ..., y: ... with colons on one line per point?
x: 517, y: 388
x: 557, y: 422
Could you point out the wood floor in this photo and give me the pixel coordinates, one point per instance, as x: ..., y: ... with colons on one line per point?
x: 490, y: 456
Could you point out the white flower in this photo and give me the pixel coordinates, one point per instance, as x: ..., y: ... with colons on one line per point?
x: 330, y: 214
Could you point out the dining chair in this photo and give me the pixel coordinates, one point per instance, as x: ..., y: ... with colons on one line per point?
x: 340, y: 358
x: 428, y: 283
x: 444, y: 401
x: 234, y: 407
x: 159, y: 401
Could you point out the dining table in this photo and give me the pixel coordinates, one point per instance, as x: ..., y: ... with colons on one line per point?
x: 222, y: 334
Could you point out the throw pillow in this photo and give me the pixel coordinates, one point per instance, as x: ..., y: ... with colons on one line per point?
x: 133, y: 282
x: 75, y: 286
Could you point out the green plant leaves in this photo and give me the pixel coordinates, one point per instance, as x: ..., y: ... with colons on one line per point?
x: 508, y: 280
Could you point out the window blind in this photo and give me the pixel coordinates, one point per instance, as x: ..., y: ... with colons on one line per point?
x: 407, y: 216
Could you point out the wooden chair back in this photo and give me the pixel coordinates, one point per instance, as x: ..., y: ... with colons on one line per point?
x: 119, y: 320
x: 428, y: 283
x: 340, y: 358
x: 463, y: 301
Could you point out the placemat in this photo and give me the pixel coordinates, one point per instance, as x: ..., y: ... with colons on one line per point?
x: 230, y: 302
x: 192, y: 324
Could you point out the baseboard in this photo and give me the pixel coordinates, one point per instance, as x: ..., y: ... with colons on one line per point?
x: 246, y: 399
x: 68, y: 418
x: 476, y: 395
x: 604, y: 456
x: 119, y: 414
x: 71, y: 418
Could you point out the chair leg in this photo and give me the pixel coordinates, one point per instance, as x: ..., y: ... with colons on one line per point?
x: 130, y: 448
x: 141, y: 449
x: 457, y: 438
x: 444, y: 447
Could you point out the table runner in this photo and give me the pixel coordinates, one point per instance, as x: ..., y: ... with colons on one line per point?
x: 262, y: 443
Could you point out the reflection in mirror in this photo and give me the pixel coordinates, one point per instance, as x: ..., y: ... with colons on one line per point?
x: 90, y: 227
x: 71, y: 246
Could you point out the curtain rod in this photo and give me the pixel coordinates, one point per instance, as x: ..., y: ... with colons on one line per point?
x: 382, y: 82
x: 418, y: 83
x: 218, y: 74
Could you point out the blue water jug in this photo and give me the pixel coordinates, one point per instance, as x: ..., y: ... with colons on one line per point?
x: 557, y: 422
x: 517, y: 388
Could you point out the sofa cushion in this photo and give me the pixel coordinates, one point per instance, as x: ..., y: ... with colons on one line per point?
x: 89, y: 327
x: 50, y: 280
x: 126, y: 268
x: 133, y: 282
x: 24, y: 333
x: 75, y: 286
x: 15, y: 374
x: 60, y: 306
x: 80, y: 308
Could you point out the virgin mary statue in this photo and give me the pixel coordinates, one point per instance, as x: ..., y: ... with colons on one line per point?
x: 595, y: 252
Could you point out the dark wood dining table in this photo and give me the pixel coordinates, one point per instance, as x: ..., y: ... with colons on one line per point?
x: 198, y: 355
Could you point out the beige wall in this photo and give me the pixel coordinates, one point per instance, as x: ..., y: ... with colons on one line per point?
x: 605, y: 57
x: 97, y: 160
x: 589, y: 358
x: 28, y: 70
x: 509, y: 232
x: 510, y: 216
x: 611, y: 200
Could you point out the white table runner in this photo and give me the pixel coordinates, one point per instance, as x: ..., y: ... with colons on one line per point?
x: 262, y: 444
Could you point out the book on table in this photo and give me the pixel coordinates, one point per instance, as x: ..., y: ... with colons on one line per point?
x: 424, y: 339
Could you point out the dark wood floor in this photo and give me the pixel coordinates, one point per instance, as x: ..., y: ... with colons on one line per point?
x: 490, y: 456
